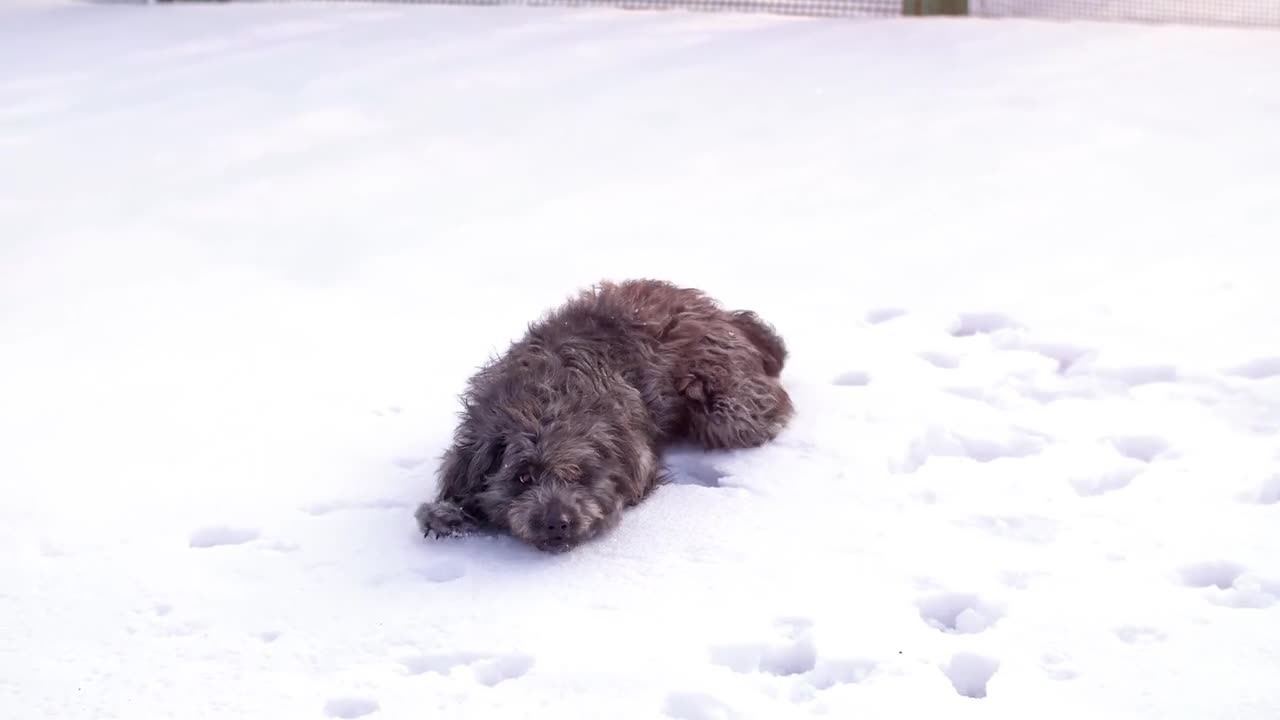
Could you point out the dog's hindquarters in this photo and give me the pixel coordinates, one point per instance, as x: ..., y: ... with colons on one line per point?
x: 736, y: 410
x: 728, y: 376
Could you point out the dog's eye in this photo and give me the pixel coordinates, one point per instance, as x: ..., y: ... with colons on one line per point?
x: 524, y: 478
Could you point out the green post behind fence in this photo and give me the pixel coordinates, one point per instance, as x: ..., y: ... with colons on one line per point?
x: 935, y: 7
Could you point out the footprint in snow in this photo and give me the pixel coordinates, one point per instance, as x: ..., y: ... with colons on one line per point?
x: 409, y: 462
x: 1144, y: 448
x: 959, y: 613
x: 877, y: 316
x: 348, y: 708
x: 853, y: 378
x: 830, y: 673
x: 1135, y: 375
x: 1066, y: 355
x: 970, y: 672
x: 968, y: 324
x: 694, y: 467
x: 1139, y: 635
x: 983, y: 448
x: 1221, y: 574
x: 1261, y: 368
x: 940, y: 360
x: 1058, y: 666
x: 500, y: 669
x: 442, y: 571
x: 218, y: 535
x: 1105, y: 482
x: 488, y: 670
x: 1230, y: 584
x: 439, y: 663
x: 792, y: 655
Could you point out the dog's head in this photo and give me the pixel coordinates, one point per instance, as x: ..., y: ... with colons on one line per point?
x: 555, y: 488
x: 559, y: 450
x: 556, y: 517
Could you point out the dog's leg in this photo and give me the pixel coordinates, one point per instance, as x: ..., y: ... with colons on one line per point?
x: 455, y: 512
x: 445, y: 519
x: 735, y: 411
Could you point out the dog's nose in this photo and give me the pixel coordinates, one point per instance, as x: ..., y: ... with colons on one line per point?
x: 556, y: 524
x: 558, y: 529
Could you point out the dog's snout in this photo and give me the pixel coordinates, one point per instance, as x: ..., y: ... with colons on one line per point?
x: 556, y: 524
x: 558, y: 528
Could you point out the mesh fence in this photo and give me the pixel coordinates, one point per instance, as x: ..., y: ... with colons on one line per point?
x: 1254, y: 13
x: 1225, y: 12
x: 812, y: 8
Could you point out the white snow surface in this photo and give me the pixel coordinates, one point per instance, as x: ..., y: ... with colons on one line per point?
x: 1027, y: 272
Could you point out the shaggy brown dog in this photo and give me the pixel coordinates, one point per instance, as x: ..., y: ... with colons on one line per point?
x: 564, y: 431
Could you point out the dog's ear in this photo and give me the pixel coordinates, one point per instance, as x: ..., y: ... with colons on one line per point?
x: 486, y: 457
x: 466, y: 465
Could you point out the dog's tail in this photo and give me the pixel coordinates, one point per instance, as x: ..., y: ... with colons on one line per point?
x: 772, y: 349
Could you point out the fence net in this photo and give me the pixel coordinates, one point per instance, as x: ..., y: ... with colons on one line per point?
x: 1254, y: 13
x: 812, y: 8
x: 1224, y: 12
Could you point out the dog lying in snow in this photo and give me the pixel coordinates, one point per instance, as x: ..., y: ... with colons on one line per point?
x: 564, y: 431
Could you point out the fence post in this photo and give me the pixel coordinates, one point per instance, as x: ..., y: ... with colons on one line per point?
x: 935, y: 7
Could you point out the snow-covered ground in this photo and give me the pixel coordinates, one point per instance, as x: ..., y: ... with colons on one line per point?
x: 250, y: 253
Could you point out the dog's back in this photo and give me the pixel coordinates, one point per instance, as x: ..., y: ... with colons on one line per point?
x: 660, y: 304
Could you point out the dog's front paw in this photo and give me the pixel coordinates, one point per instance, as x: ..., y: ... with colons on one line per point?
x: 443, y: 520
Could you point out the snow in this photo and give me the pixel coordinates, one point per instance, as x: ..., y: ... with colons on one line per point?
x: 1027, y: 272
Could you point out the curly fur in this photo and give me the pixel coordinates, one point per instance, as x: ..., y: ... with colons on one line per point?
x: 563, y: 432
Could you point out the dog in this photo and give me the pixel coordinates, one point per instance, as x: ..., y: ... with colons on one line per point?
x: 565, y: 430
